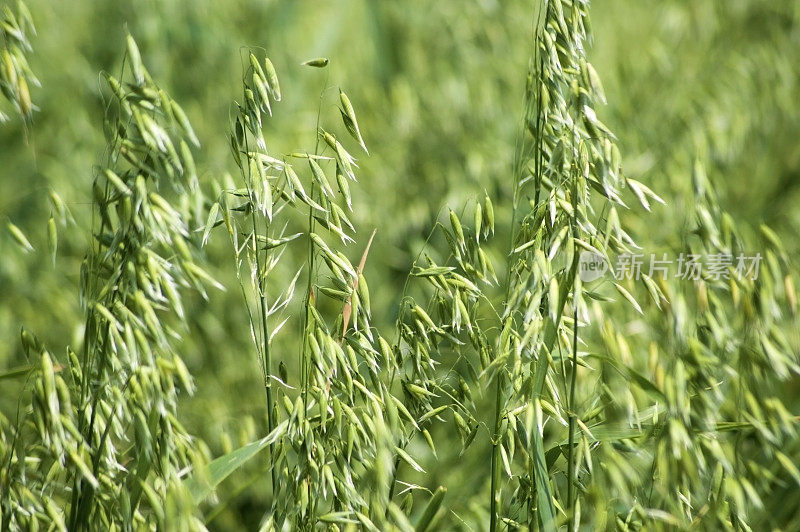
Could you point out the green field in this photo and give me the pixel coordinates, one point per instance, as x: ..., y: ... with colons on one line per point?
x: 199, y: 331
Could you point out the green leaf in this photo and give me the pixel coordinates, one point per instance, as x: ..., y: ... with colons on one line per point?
x: 19, y: 371
x: 213, y: 214
x: 407, y: 459
x: 427, y: 516
x: 201, y: 486
x: 544, y: 496
x: 644, y: 383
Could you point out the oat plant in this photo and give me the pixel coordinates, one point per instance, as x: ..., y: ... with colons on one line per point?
x: 334, y: 432
x: 96, y: 443
x: 368, y: 396
x: 16, y: 76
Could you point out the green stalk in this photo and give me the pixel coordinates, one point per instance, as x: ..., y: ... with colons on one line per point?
x: 571, y: 465
x: 495, y: 487
x: 398, y: 323
x: 571, y: 444
x: 268, y: 372
x: 272, y: 411
x: 80, y: 498
x: 304, y: 362
x: 267, y: 355
x: 519, y: 155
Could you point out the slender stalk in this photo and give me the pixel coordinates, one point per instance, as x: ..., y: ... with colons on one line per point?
x: 268, y: 372
x: 304, y: 362
x: 264, y: 308
x: 519, y: 157
x: 494, y: 503
x: 571, y: 458
x: 265, y: 347
x: 570, y: 447
x: 398, y: 339
x: 78, y: 499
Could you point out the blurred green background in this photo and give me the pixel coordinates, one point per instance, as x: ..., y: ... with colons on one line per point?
x: 438, y: 90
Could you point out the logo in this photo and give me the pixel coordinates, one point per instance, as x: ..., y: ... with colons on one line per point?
x: 591, y: 266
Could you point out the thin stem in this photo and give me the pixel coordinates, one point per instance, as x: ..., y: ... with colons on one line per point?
x: 268, y: 372
x: 572, y: 385
x: 304, y: 362
x: 571, y: 458
x: 264, y: 309
x: 519, y: 156
x: 79, y: 498
x: 265, y: 347
x: 495, y: 487
x: 398, y: 337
